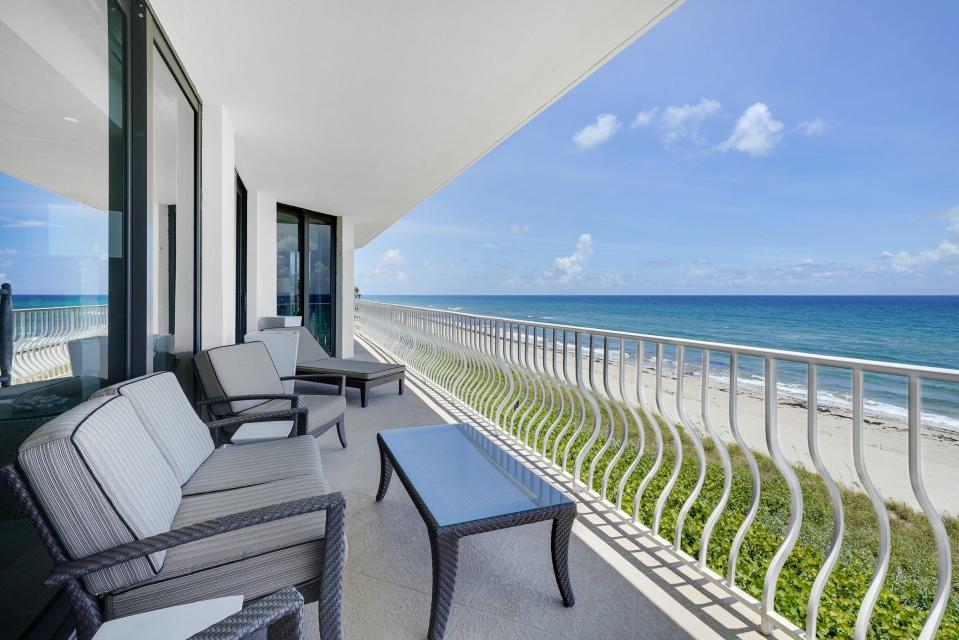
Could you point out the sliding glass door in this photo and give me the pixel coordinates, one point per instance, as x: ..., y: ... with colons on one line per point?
x: 171, y: 223
x: 319, y: 281
x: 305, y: 270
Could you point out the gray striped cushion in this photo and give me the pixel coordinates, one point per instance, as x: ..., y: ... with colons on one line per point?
x: 253, y: 561
x: 171, y: 421
x: 231, y: 467
x: 322, y: 409
x: 237, y: 369
x: 102, y: 482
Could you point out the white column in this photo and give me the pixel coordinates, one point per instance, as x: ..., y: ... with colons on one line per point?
x: 218, y: 249
x: 261, y: 256
x: 344, y: 287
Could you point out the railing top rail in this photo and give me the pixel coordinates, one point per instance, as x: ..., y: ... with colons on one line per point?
x: 872, y: 366
x: 74, y: 306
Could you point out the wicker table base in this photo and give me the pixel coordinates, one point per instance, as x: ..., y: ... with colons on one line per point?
x: 444, y: 540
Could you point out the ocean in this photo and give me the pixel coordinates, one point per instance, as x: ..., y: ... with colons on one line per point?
x: 922, y: 330
x: 43, y: 301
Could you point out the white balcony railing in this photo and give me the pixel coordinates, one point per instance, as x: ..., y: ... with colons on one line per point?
x: 41, y: 335
x: 578, y: 399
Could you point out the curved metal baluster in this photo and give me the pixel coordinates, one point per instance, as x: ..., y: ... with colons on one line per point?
x: 747, y: 522
x: 697, y: 445
x: 726, y: 462
x: 838, y: 517
x: 618, y: 404
x: 557, y: 383
x: 548, y: 384
x: 943, y: 550
x: 795, y: 496
x: 604, y: 410
x: 572, y: 401
x: 677, y: 443
x: 504, y: 359
x: 532, y: 412
x: 585, y: 398
x: 640, y: 435
x: 657, y: 434
x: 878, y: 506
x: 487, y: 374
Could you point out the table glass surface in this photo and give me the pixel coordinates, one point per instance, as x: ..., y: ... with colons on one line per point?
x: 462, y: 476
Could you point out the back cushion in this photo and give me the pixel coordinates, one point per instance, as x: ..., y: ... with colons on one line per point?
x: 308, y: 349
x: 170, y: 420
x: 102, y: 482
x: 239, y: 370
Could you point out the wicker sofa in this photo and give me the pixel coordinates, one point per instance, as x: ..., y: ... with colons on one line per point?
x: 140, y: 510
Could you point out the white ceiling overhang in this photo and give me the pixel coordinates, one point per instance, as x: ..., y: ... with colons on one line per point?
x: 363, y: 109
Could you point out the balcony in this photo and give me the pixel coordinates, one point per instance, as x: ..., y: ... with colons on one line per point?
x: 627, y: 585
x: 707, y: 530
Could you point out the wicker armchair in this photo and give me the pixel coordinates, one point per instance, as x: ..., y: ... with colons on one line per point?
x: 241, y: 380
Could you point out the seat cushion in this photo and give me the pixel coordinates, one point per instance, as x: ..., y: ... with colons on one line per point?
x: 355, y: 369
x: 102, y: 481
x: 238, y: 370
x: 253, y: 561
x: 170, y: 420
x: 234, y: 466
x: 322, y: 409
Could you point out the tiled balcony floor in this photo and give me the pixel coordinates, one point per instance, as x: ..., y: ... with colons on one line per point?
x: 625, y: 585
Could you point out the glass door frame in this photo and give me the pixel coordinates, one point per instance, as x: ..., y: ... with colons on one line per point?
x: 305, y: 216
x: 241, y: 257
x: 145, y: 34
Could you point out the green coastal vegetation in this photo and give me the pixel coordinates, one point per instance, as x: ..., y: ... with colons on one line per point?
x: 910, y: 584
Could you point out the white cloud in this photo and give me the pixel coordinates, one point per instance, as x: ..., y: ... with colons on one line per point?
x: 570, y: 268
x: 610, y: 280
x: 644, y: 118
x: 757, y: 132
x: 7, y: 222
x: 814, y: 127
x: 681, y: 122
x: 903, y: 261
x: 519, y: 228
x: 952, y: 215
x: 603, y: 129
x: 8, y: 252
x: 390, y: 266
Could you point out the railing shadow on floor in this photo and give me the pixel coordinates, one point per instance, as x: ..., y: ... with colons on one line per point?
x: 643, y: 560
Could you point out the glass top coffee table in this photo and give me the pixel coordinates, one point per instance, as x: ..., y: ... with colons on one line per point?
x: 462, y: 483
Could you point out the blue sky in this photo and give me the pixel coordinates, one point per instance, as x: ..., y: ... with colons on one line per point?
x: 50, y: 244
x: 738, y: 147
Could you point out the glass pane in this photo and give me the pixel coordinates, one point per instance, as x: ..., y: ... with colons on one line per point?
x: 319, y: 315
x: 171, y: 226
x: 288, y: 265
x: 461, y: 475
x: 61, y: 220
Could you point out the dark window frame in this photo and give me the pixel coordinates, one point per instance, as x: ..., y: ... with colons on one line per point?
x: 146, y: 34
x: 242, y: 248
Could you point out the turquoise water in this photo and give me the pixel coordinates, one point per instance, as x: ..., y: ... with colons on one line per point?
x: 922, y: 330
x: 39, y: 301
